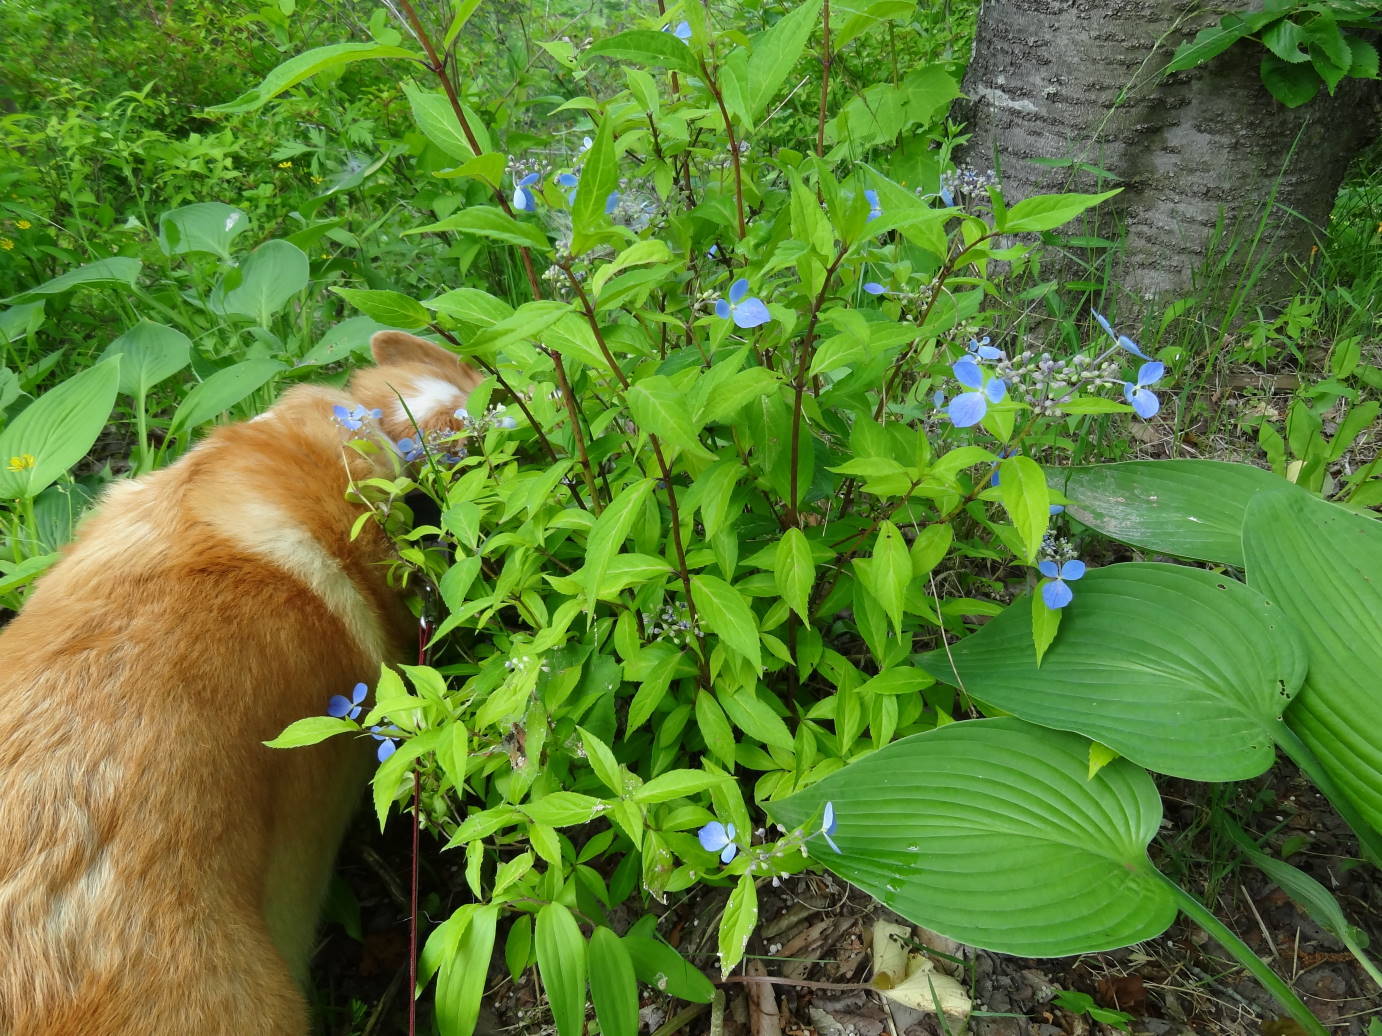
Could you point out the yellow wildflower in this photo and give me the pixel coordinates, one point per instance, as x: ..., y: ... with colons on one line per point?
x: 285, y: 165
x: 316, y: 179
x: 22, y: 463
x: 6, y: 243
x: 23, y: 224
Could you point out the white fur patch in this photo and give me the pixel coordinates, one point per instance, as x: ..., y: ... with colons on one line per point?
x: 262, y: 528
x: 429, y: 397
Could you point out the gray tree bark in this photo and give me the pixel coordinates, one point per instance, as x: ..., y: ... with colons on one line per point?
x: 1225, y: 189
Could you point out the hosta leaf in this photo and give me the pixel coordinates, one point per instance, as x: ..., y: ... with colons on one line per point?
x: 989, y: 832
x: 1179, y: 670
x: 1322, y: 567
x: 1186, y: 508
x: 55, y: 431
x: 561, y: 961
x: 208, y: 226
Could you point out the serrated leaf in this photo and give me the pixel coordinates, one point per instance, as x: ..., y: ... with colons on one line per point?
x: 646, y: 47
x: 1049, y: 211
x: 773, y: 54
x: 599, y: 177
x: 794, y: 571
x: 390, y: 308
x: 660, y: 408
x: 297, y: 69
x: 1208, y: 43
x: 312, y: 729
x: 989, y: 832
x: 676, y: 784
x: 610, y: 530
x: 723, y: 610
x: 1022, y: 490
x: 737, y: 923
x: 434, y: 115
x: 490, y: 222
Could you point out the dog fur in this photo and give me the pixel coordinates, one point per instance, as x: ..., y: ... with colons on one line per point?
x: 161, y: 871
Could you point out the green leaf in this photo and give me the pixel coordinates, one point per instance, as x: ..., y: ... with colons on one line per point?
x: 207, y: 226
x: 264, y: 283
x: 714, y: 727
x: 1322, y: 567
x: 56, y: 430
x: 1022, y: 490
x: 304, y: 66
x: 645, y: 47
x: 990, y: 833
x: 602, y: 761
x: 1208, y: 43
x: 773, y: 53
x: 1045, y: 626
x: 471, y: 306
x: 737, y: 392
x: 561, y: 961
x: 563, y: 808
x: 528, y: 322
x: 13, y: 576
x: 640, y: 253
x: 660, y: 408
x: 676, y: 784
x: 490, y: 222
x: 610, y: 530
x: 1292, y: 85
x: 390, y: 308
x: 902, y: 679
x: 434, y: 115
x: 1179, y: 670
x: 613, y: 987
x: 1049, y: 211
x: 221, y: 391
x: 887, y: 574
x: 18, y: 322
x: 599, y: 177
x: 1287, y: 41
x: 737, y: 923
x: 461, y: 985
x: 658, y: 965
x: 1186, y: 508
x: 149, y: 353
x: 794, y: 571
x: 118, y: 270
x: 725, y: 612
x: 312, y: 729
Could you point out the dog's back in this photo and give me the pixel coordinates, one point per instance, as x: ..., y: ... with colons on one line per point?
x: 160, y: 869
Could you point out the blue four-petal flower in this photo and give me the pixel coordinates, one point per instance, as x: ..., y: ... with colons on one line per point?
x: 1056, y: 593
x: 524, y: 199
x: 1122, y: 341
x: 347, y: 708
x: 1144, y: 401
x: 745, y: 312
x: 718, y: 838
x: 969, y: 408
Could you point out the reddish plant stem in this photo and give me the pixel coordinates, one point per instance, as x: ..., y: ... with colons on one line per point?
x: 825, y: 80
x: 424, y: 634
x: 714, y: 88
x: 799, y: 383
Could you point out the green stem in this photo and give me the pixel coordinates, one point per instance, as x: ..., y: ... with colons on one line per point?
x: 1369, y: 839
x: 1242, y: 952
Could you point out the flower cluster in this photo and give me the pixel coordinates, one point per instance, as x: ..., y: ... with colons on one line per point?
x: 23, y: 462
x: 963, y: 185
x: 674, y: 624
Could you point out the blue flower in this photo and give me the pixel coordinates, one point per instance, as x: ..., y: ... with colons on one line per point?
x: 1056, y: 593
x: 875, y: 209
x: 569, y: 180
x: 1002, y: 455
x: 1142, y: 398
x: 612, y: 202
x: 938, y: 398
x: 980, y: 349
x: 523, y: 199
x: 746, y: 312
x: 874, y: 288
x: 681, y: 31
x: 411, y: 449
x: 828, y: 825
x: 1057, y: 508
x: 947, y: 197
x: 387, y: 745
x: 1122, y: 341
x: 347, y: 708
x: 355, y: 416
x: 718, y: 838
x: 969, y: 408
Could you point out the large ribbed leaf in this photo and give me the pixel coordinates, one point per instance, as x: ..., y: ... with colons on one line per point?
x: 1185, y: 508
x: 1180, y: 670
x: 991, y: 833
x: 1322, y: 566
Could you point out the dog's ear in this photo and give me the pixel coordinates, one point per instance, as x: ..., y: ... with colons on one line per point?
x: 392, y: 348
x: 396, y: 348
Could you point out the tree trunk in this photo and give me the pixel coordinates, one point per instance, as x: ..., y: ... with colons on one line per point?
x: 1225, y: 190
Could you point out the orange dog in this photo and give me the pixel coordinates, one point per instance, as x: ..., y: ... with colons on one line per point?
x: 160, y: 869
